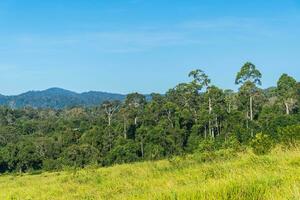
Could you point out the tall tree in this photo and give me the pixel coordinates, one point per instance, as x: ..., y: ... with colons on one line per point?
x: 200, y: 81
x: 110, y: 107
x: 229, y: 100
x: 217, y: 109
x: 287, y: 91
x: 124, y: 115
x: 135, y: 103
x: 170, y: 110
x: 141, y: 138
x: 249, y: 77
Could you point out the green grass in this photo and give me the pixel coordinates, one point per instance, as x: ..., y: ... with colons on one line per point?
x: 244, y: 176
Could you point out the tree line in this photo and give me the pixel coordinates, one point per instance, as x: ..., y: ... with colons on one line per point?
x: 187, y: 118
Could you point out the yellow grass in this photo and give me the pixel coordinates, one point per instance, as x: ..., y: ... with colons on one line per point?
x: 246, y: 176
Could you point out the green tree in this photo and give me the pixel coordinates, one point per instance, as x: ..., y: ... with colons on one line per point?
x: 135, y: 103
x: 290, y: 135
x: 28, y: 157
x: 250, y: 77
x: 218, y: 110
x: 124, y: 151
x: 200, y: 81
x: 230, y: 98
x: 80, y: 155
x: 287, y: 92
x: 141, y: 135
x: 110, y: 107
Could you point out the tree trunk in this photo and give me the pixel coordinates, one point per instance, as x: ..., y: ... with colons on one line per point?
x: 209, y: 106
x: 212, y: 132
x: 210, y: 111
x: 251, y: 108
x: 220, y: 127
x: 142, y: 149
x: 135, y: 120
x: 229, y: 108
x: 125, y: 129
x: 217, y: 127
x: 247, y: 120
x: 209, y: 128
x: 287, y: 108
x: 109, y: 120
x: 110, y: 139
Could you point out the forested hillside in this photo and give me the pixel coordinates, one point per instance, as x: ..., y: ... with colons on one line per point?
x: 56, y: 98
x: 191, y: 117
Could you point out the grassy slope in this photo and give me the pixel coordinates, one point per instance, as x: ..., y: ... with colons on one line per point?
x: 276, y: 176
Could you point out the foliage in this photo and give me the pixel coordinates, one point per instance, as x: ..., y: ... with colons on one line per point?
x: 261, y: 144
x: 195, y: 116
x: 80, y: 156
x: 248, y: 72
x: 290, y: 135
x: 287, y: 92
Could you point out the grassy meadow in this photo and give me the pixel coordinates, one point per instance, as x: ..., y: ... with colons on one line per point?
x: 241, y: 176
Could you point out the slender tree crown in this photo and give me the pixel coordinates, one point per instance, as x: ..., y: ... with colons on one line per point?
x: 200, y: 79
x: 248, y: 73
x: 286, y: 86
x: 135, y: 100
x: 111, y: 104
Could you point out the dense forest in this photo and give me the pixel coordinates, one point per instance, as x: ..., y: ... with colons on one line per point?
x: 57, y: 98
x: 193, y: 116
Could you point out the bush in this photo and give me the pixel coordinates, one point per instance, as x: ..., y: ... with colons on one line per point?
x: 80, y: 156
x: 123, y: 153
x: 205, y: 157
x: 206, y: 151
x: 232, y: 143
x: 261, y: 144
x: 207, y: 145
x: 290, y: 135
x: 154, y: 152
x: 52, y: 165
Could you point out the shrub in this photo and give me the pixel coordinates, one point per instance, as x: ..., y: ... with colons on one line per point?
x: 207, y: 145
x: 290, y: 135
x: 154, y: 152
x: 52, y: 165
x: 232, y: 143
x: 261, y: 144
x: 80, y: 156
x: 123, y: 153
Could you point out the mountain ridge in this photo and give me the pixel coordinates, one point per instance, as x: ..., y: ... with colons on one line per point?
x: 58, y: 98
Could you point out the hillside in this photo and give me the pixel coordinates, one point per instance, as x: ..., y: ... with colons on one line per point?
x: 246, y: 176
x: 57, y: 98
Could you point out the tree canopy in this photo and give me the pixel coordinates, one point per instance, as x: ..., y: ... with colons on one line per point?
x: 191, y: 117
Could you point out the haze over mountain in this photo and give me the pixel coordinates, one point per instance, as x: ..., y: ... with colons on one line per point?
x: 58, y: 98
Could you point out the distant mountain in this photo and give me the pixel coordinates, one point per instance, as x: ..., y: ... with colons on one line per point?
x: 58, y: 98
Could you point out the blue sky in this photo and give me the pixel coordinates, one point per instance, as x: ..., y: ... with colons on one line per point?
x: 143, y: 45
